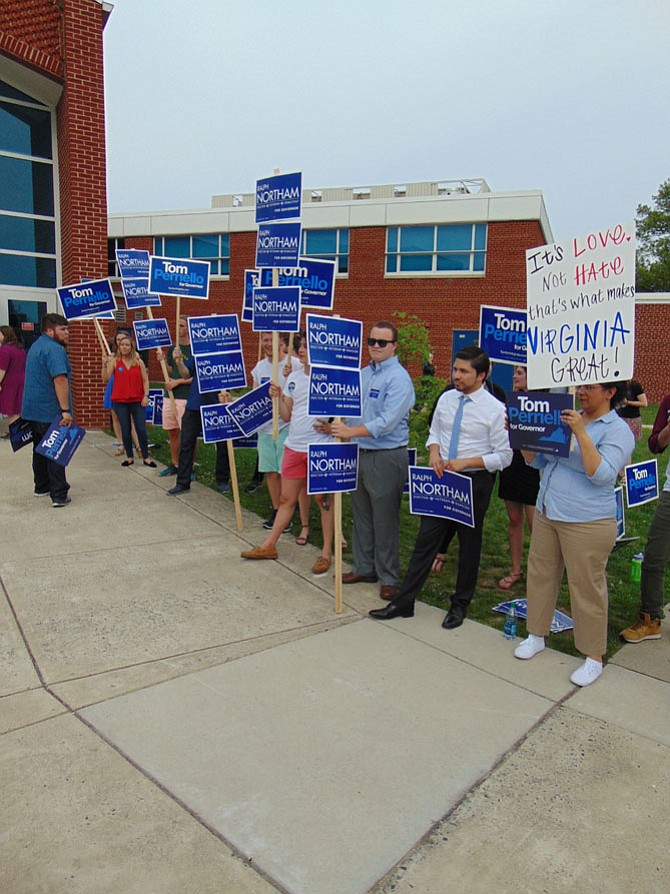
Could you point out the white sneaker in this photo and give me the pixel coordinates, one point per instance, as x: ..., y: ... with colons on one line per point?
x: 587, y: 673
x: 530, y: 646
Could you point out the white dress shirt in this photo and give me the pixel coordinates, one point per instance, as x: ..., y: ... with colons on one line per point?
x: 483, y: 431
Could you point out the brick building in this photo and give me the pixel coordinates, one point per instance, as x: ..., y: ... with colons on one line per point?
x: 53, y: 199
x: 437, y: 250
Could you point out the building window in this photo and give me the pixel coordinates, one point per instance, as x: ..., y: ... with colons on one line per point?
x: 112, y: 266
x: 212, y: 247
x: 442, y: 248
x: 27, y: 197
x: 331, y: 245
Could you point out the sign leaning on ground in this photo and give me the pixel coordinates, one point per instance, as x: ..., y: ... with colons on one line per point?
x: 641, y: 482
x: 87, y: 299
x: 581, y: 309
x: 179, y: 276
x: 502, y: 334
x: 447, y: 497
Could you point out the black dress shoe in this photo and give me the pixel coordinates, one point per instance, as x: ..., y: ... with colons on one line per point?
x: 392, y: 611
x: 454, y: 617
x: 177, y: 489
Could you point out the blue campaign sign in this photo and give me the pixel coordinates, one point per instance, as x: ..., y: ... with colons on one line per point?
x: 641, y: 483
x: 61, y: 441
x: 620, y: 517
x: 334, y: 392
x: 217, y: 424
x: 535, y: 422
x: 278, y: 197
x: 277, y: 310
x: 136, y: 293
x: 154, y: 409
x: 87, y: 299
x: 179, y: 276
x: 152, y: 334
x: 217, y: 372
x: 502, y: 334
x: 133, y: 263
x: 278, y: 245
x: 332, y: 468
x: 447, y: 497
x: 214, y: 334
x: 252, y: 410
x: 315, y: 277
x: 333, y: 341
x: 252, y: 280
x: 20, y: 433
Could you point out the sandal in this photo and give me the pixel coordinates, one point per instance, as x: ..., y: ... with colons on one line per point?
x: 438, y: 562
x: 119, y: 451
x: 303, y: 539
x: 128, y: 462
x: 507, y: 582
x: 321, y: 566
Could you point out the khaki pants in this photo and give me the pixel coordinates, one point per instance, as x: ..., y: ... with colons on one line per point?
x: 582, y: 549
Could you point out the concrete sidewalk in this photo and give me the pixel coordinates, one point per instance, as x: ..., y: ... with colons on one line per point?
x: 174, y: 719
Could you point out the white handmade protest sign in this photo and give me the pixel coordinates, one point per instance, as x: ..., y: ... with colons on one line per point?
x: 581, y: 309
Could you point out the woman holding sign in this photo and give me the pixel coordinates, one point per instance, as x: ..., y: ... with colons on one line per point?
x: 293, y: 408
x: 130, y: 396
x: 575, y: 527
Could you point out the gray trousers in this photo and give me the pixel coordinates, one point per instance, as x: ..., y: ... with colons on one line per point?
x: 376, y: 509
x: 656, y: 558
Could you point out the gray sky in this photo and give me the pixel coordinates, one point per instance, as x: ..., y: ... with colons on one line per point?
x: 569, y: 97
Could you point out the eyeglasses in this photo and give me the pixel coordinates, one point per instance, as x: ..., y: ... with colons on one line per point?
x: 382, y: 342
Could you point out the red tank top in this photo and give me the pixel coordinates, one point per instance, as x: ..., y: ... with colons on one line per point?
x: 128, y: 386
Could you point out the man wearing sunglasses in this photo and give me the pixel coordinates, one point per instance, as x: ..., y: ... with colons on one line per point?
x: 382, y: 434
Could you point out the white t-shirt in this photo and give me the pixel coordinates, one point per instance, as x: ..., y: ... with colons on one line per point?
x: 262, y: 373
x: 301, y: 426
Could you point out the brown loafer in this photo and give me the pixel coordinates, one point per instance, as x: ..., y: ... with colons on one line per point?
x: 388, y: 591
x: 321, y: 566
x: 351, y: 577
x: 258, y: 552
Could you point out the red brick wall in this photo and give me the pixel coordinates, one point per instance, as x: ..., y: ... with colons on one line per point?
x: 45, y: 34
x: 445, y: 303
x: 83, y: 195
x: 30, y: 32
x: 652, y: 349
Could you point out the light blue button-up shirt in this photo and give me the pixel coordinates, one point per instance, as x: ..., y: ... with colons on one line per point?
x: 567, y: 493
x: 388, y: 396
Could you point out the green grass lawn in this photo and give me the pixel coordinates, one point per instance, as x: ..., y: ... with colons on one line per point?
x: 624, y: 595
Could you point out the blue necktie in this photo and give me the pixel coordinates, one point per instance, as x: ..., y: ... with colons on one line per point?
x: 456, y: 430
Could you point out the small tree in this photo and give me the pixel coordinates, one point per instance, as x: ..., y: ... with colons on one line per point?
x: 413, y: 340
x: 653, y: 235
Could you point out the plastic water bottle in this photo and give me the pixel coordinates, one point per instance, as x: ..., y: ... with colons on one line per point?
x: 636, y: 568
x: 509, y: 629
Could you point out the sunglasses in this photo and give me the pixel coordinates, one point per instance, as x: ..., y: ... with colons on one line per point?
x: 382, y: 342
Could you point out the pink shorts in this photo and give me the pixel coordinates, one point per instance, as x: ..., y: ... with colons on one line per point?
x: 294, y: 464
x: 170, y: 421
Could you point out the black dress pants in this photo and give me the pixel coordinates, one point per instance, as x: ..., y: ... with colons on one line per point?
x: 48, y: 476
x: 432, y: 533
